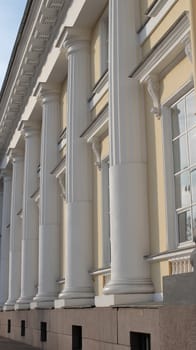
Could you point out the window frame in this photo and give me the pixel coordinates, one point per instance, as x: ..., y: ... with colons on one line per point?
x: 170, y: 212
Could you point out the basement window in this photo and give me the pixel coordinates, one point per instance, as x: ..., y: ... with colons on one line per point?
x: 43, y: 334
x: 140, y: 341
x: 22, y: 326
x: 9, y: 326
x: 76, y: 337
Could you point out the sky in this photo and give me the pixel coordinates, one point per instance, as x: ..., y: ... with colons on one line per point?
x: 11, y: 12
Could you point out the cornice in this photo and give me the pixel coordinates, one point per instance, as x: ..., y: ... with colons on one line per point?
x: 41, y: 27
x: 165, y: 51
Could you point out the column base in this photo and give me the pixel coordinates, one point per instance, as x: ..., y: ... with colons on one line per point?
x: 47, y: 304
x: 23, y: 303
x: 22, y: 306
x: 8, y: 307
x: 122, y: 299
x: 133, y: 286
x: 74, y: 303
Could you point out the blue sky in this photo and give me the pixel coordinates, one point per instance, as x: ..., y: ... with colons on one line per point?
x: 11, y: 12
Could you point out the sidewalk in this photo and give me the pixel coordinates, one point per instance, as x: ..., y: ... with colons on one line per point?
x: 7, y: 344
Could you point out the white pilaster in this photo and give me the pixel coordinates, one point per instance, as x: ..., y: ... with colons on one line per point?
x: 5, y: 236
x: 30, y: 227
x: 130, y: 274
x: 15, y: 229
x: 49, y: 200
x: 78, y: 285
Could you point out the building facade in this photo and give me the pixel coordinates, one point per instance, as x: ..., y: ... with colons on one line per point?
x: 98, y: 176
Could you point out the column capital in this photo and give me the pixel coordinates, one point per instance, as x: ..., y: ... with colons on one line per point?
x: 15, y: 154
x: 6, y: 174
x: 29, y: 128
x: 47, y: 92
x: 76, y: 39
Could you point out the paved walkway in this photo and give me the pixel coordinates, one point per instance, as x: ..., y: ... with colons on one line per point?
x: 7, y: 344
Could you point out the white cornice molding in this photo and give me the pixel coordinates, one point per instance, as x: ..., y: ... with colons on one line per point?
x: 59, y: 173
x: 157, y: 13
x: 165, y: 51
x: 42, y: 24
x: 94, y: 134
x: 100, y: 89
x: 188, y: 48
x: 62, y: 140
x: 156, y: 8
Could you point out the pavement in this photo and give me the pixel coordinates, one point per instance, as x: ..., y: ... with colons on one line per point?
x: 7, y: 344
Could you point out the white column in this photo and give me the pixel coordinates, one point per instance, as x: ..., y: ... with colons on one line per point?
x: 30, y: 228
x: 130, y: 274
x: 15, y: 229
x: 78, y: 285
x: 5, y: 236
x: 49, y: 200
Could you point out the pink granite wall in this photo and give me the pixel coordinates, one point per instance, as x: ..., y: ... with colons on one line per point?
x: 171, y: 327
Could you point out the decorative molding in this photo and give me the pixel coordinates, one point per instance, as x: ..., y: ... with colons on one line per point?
x: 29, y: 128
x: 62, y: 140
x: 98, y: 127
x: 15, y: 154
x: 59, y: 172
x: 153, y: 90
x: 94, y: 133
x: 36, y: 196
x: 96, y: 147
x: 165, y: 51
x: 157, y: 13
x: 33, y: 46
x: 102, y: 271
x: 155, y: 8
x: 99, y: 91
x: 170, y: 254
x: 188, y: 48
x: 46, y: 90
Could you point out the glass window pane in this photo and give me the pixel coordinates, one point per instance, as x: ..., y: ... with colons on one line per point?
x: 191, y: 110
x: 178, y: 118
x: 192, y: 146
x: 184, y: 226
x: 182, y: 189
x: 193, y: 185
x: 194, y: 222
x: 180, y: 154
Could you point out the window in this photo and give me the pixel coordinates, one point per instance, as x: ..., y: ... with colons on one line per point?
x: 183, y: 125
x: 106, y: 258
x: 104, y: 42
x: 76, y: 337
x: 140, y: 341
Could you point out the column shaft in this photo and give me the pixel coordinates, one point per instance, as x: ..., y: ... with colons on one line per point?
x: 29, y: 260
x: 78, y: 289
x: 15, y: 230
x: 128, y: 173
x: 49, y: 200
x: 5, y: 234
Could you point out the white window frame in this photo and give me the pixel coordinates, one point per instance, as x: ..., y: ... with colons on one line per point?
x: 171, y: 216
